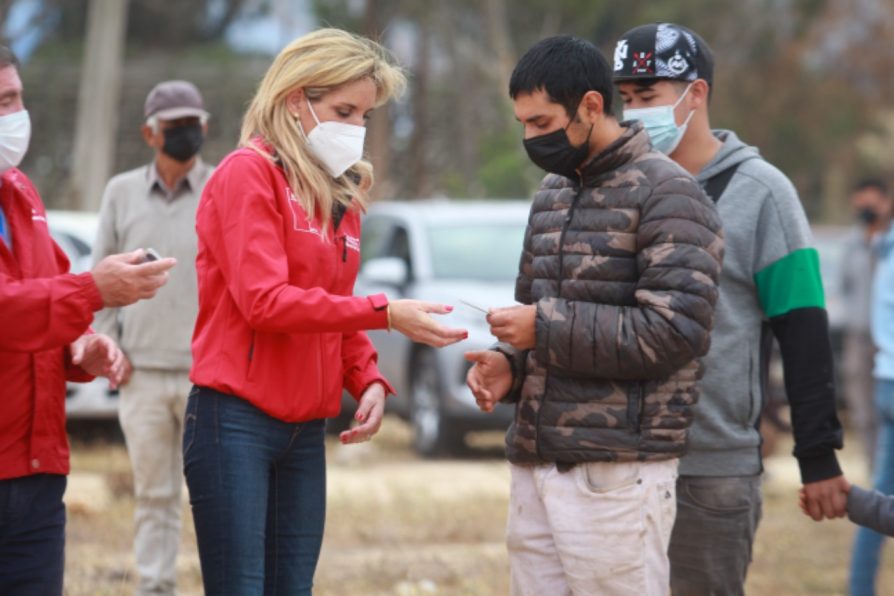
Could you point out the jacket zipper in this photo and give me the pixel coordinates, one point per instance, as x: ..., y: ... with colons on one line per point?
x: 568, y: 217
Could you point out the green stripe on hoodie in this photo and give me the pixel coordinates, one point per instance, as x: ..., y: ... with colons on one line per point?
x: 791, y: 282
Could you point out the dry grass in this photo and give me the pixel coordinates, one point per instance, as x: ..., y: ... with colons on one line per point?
x: 399, y: 525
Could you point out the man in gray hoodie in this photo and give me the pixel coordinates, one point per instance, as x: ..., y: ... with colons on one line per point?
x: 769, y: 286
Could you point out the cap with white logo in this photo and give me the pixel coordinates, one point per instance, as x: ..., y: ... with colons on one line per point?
x: 663, y: 51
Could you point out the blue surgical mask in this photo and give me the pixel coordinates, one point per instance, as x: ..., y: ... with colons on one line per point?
x: 661, y: 125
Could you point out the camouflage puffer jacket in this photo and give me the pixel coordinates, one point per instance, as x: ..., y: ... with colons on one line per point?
x: 623, y: 269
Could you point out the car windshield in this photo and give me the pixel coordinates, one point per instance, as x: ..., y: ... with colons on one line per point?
x: 487, y: 252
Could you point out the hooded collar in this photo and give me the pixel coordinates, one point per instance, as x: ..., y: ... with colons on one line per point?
x: 731, y: 153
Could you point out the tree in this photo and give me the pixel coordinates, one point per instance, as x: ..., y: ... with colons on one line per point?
x: 158, y: 23
x: 100, y: 87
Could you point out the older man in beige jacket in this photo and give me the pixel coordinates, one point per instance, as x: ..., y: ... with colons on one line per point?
x: 154, y: 206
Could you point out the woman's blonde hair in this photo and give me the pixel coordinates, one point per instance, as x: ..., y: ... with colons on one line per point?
x: 317, y: 63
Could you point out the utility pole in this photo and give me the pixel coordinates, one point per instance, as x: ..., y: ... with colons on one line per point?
x: 97, y: 111
x: 378, y: 130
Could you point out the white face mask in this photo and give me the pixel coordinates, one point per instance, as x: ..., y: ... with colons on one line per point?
x: 15, y: 134
x: 337, y: 144
x: 661, y: 124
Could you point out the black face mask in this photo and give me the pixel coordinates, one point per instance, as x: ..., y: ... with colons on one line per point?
x: 867, y: 215
x: 183, y: 142
x: 554, y: 152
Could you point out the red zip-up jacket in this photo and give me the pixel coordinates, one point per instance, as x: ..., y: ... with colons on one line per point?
x: 278, y: 324
x: 43, y: 308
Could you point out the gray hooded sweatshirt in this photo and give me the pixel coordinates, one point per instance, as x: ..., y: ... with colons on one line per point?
x: 769, y: 285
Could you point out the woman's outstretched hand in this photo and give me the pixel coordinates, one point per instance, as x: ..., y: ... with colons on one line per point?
x: 413, y: 319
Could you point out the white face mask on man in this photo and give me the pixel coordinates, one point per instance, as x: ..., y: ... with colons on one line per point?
x: 15, y: 134
x: 337, y: 144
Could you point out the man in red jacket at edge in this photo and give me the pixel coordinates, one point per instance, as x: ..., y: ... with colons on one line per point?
x: 45, y: 313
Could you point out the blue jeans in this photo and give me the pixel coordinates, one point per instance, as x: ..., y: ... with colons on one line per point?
x: 868, y: 544
x: 257, y: 486
x: 32, y: 535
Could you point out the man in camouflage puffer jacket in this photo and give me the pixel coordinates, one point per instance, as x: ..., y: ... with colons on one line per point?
x: 617, y: 283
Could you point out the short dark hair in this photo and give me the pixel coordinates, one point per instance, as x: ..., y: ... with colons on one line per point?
x: 872, y: 184
x: 7, y: 57
x: 566, y: 68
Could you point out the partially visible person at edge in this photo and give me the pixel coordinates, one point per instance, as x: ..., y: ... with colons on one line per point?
x: 45, y: 339
x: 868, y: 542
x: 871, y: 509
x: 770, y: 285
x: 870, y: 203
x: 279, y: 333
x: 155, y: 206
x: 617, y: 282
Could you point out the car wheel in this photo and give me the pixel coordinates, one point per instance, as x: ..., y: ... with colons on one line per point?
x: 433, y: 434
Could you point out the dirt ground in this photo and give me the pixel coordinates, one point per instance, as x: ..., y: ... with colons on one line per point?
x: 398, y: 525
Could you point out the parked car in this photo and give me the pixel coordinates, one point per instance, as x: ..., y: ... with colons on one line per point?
x: 74, y: 232
x: 449, y: 252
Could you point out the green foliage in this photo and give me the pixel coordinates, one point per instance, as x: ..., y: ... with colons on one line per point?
x: 155, y: 23
x: 804, y: 80
x: 337, y: 13
x: 505, y: 169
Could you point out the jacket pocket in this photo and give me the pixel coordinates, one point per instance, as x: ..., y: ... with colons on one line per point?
x: 753, y: 407
x: 607, y: 477
x: 733, y: 391
x: 190, y: 421
x: 726, y: 496
x: 250, y: 356
x: 635, y: 407
x: 286, y: 374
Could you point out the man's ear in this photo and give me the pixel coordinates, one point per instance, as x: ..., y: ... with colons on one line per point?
x: 593, y: 105
x: 699, y: 93
x: 148, y: 135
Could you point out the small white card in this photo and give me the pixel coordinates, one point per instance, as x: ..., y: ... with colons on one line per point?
x: 475, y: 306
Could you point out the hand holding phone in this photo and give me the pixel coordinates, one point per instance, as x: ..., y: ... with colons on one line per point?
x: 151, y: 255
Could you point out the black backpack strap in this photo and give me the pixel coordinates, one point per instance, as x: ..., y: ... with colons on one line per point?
x: 716, y: 184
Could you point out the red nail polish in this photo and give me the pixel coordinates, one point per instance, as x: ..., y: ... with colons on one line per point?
x: 466, y: 335
x: 449, y: 309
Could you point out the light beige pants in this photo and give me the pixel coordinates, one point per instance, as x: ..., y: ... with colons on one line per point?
x: 600, y: 528
x: 151, y: 412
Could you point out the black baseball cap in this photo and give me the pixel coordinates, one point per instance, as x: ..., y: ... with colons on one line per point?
x: 663, y: 51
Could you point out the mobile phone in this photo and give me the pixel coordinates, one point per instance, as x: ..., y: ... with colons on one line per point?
x: 151, y: 255
x: 475, y: 306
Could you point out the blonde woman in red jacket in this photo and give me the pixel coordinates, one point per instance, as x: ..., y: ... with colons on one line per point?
x: 279, y: 333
